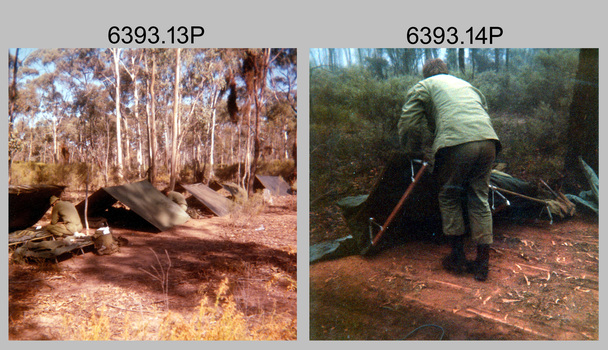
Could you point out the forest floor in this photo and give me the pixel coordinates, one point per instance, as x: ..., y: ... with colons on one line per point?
x: 543, y: 284
x: 210, y: 263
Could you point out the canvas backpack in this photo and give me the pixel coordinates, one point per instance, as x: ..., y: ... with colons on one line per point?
x: 105, y: 244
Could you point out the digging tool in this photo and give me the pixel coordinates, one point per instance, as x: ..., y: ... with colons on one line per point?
x: 391, y: 217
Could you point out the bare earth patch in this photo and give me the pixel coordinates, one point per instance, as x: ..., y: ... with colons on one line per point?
x: 543, y: 284
x: 252, y: 263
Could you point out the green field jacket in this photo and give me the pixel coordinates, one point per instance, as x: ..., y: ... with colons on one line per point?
x: 443, y: 111
x: 66, y: 213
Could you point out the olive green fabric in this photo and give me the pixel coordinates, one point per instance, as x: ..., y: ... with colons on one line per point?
x: 140, y: 197
x: 421, y: 212
x: 105, y: 244
x: 217, y: 203
x: 50, y: 249
x: 464, y: 172
x: 178, y: 199
x: 27, y: 204
x: 65, y: 220
x: 452, y: 110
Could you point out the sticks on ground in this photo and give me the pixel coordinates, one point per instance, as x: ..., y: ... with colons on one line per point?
x: 161, y: 275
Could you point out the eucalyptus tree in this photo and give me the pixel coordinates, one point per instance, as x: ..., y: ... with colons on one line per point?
x: 116, y: 52
x: 23, y: 100
x: 583, y: 117
x: 53, y: 106
x: 283, y: 110
x: 133, y: 67
x: 175, y: 125
x: 150, y: 70
x: 204, y: 84
x: 254, y: 72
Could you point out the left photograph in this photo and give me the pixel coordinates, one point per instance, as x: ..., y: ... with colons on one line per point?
x: 152, y: 194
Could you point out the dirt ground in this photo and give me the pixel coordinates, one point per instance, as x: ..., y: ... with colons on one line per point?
x: 543, y: 284
x: 256, y: 255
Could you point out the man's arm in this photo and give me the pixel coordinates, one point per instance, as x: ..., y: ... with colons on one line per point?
x: 412, y: 126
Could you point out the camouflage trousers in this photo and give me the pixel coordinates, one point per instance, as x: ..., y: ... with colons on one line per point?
x: 464, y: 174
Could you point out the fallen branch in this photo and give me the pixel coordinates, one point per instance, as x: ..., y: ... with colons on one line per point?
x: 452, y: 285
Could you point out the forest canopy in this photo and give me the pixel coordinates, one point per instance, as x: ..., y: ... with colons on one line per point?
x: 161, y: 114
x: 356, y: 96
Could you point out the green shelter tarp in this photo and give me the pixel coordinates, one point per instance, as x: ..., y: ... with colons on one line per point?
x: 28, y: 204
x: 217, y: 203
x: 275, y: 184
x: 143, y: 199
x: 420, y: 215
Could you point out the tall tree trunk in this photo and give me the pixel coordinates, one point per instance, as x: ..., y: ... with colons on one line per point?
x: 261, y: 64
x: 12, y: 91
x: 12, y: 97
x: 127, y: 147
x: 55, y: 153
x: 174, y: 129
x: 151, y: 111
x: 583, y: 122
x: 116, y: 55
x: 473, y: 54
x: 212, y: 150
x: 247, y: 155
x: 134, y: 77
x: 461, y: 63
x: 106, y: 159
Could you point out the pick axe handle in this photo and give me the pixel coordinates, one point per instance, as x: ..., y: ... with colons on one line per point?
x: 395, y: 211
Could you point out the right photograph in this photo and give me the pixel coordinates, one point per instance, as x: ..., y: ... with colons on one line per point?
x: 454, y: 194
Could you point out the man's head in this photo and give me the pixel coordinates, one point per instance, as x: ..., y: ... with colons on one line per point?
x: 53, y: 200
x: 434, y: 67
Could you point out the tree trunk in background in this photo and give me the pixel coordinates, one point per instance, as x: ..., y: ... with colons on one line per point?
x: 212, y: 150
x: 116, y: 55
x: 174, y: 129
x: 255, y: 69
x: 583, y: 122
x: 461, y: 61
x: 152, y: 123
x: 12, y: 98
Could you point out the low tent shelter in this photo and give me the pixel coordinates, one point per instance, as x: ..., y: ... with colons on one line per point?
x: 28, y: 204
x: 143, y: 199
x: 217, y: 203
x: 509, y: 197
x: 275, y: 184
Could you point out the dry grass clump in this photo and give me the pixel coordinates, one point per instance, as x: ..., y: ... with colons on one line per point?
x: 218, y: 319
x: 242, y: 213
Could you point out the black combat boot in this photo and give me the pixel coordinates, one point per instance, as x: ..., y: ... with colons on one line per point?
x: 481, y: 265
x: 456, y: 262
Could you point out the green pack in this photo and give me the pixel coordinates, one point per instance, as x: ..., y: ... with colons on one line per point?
x: 105, y: 244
